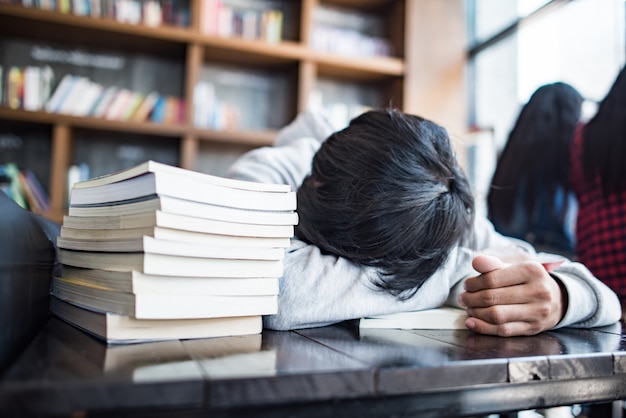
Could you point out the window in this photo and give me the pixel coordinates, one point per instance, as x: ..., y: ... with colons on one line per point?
x: 580, y: 42
x: 519, y: 45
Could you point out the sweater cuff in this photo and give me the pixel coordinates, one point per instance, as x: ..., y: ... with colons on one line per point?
x: 581, y: 302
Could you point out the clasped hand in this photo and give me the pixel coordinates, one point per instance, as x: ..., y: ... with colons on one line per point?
x: 512, y: 299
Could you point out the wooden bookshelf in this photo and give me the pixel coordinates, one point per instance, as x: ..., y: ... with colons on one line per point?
x: 424, y: 73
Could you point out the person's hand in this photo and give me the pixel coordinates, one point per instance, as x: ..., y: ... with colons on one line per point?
x: 512, y: 299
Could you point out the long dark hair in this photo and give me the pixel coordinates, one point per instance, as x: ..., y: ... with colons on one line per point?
x: 387, y: 192
x: 536, y: 153
x: 604, y: 140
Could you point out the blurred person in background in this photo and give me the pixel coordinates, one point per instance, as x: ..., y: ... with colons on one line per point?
x: 599, y: 180
x: 530, y: 196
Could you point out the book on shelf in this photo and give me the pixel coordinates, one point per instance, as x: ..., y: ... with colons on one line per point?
x: 15, y: 87
x: 86, y: 102
x: 145, y: 107
x: 32, y: 88
x: 158, y: 112
x: 35, y: 196
x: 123, y: 329
x: 161, y: 306
x: 131, y: 107
x: 167, y: 204
x: 140, y: 283
x: 53, y: 104
x: 173, y: 221
x: 152, y: 178
x: 118, y: 104
x: 445, y: 317
x: 174, y: 235
x: 101, y: 105
x: 153, y: 245
x: 75, y: 94
x: 174, y: 265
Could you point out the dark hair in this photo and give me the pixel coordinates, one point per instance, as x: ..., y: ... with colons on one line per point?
x: 536, y: 154
x: 387, y: 192
x: 604, y: 140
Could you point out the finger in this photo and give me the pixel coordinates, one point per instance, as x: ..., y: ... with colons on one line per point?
x: 501, y: 314
x: 492, y: 297
x: 487, y: 263
x: 510, y: 275
x: 507, y: 329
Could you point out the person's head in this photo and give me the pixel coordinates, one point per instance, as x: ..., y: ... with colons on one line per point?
x: 604, y: 147
x: 387, y: 192
x: 536, y: 153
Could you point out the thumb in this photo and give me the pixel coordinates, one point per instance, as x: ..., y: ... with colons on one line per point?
x: 487, y: 263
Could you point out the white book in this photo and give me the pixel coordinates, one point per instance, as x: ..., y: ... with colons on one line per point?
x: 140, y: 283
x: 153, y: 178
x: 162, y: 306
x: 185, y: 223
x: 123, y: 329
x: 166, y: 171
x: 32, y: 88
x: 75, y: 94
x: 185, y: 207
x: 85, y: 103
x: 174, y: 235
x: 171, y: 265
x: 153, y: 245
x: 444, y: 317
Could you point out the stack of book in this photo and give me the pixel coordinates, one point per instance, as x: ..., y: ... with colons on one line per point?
x: 158, y: 252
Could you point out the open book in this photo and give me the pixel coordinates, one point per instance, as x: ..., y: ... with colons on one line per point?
x: 444, y: 317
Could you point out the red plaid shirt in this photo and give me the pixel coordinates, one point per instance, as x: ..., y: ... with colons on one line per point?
x: 600, y: 227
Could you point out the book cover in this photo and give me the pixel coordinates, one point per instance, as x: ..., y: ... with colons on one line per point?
x: 153, y: 178
x: 171, y: 265
x: 162, y: 306
x: 185, y: 207
x: 140, y: 283
x: 174, y: 235
x: 166, y: 170
x: 153, y: 245
x: 123, y: 329
x: 445, y: 317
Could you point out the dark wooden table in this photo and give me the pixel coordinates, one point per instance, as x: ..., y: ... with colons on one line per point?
x: 333, y: 371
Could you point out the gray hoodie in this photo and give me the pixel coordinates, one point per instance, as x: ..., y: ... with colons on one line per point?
x: 319, y: 289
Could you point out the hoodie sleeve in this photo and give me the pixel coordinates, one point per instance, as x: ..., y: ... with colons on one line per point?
x: 289, y: 160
